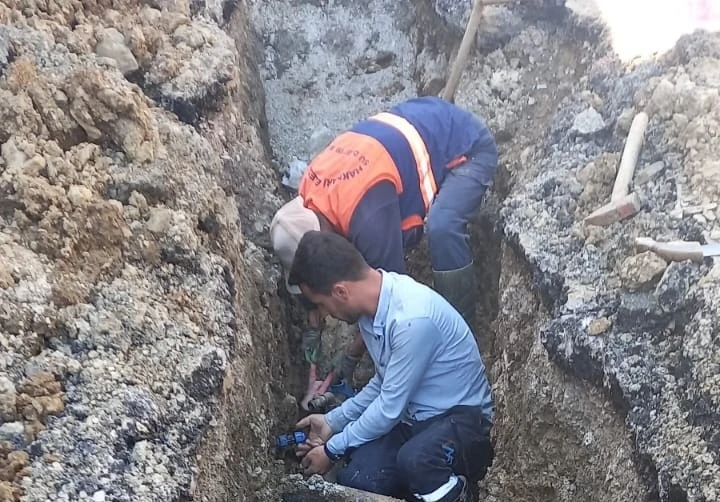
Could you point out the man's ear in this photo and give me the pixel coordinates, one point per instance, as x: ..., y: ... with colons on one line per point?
x: 340, y: 291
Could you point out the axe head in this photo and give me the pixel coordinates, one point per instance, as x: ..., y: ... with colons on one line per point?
x: 622, y: 208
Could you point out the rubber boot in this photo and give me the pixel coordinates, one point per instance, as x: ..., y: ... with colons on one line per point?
x: 458, y: 288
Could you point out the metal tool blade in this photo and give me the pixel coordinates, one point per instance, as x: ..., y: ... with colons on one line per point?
x: 711, y: 249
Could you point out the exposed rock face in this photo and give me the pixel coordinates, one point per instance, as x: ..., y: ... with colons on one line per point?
x: 570, y: 443
x: 130, y: 303
x: 653, y: 357
x: 328, y: 64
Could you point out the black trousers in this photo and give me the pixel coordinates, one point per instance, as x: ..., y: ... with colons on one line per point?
x: 419, y: 458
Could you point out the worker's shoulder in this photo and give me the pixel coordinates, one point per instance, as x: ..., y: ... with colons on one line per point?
x: 405, y: 283
x: 424, y: 102
x: 411, y: 298
x: 430, y: 112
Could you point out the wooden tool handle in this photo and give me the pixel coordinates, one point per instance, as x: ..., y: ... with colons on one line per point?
x: 448, y: 93
x: 671, y: 251
x: 630, y: 155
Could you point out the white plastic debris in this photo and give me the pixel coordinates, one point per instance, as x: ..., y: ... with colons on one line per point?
x: 292, y: 177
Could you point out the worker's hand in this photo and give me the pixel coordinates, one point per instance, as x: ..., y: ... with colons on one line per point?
x: 316, y: 461
x: 303, y: 448
x: 315, y: 387
x: 320, y: 432
x: 311, y: 339
x: 343, y: 367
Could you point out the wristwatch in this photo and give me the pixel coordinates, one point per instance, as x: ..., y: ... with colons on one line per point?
x: 332, y: 456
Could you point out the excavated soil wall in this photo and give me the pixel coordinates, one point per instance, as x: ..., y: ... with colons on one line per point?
x: 138, y: 315
x: 147, y: 351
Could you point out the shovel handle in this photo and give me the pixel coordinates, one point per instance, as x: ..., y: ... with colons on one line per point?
x: 630, y: 155
x: 448, y: 93
x: 671, y: 251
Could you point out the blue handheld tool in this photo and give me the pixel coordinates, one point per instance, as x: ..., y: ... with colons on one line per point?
x: 285, y: 440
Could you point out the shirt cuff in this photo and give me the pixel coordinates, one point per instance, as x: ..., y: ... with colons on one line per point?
x: 336, y: 419
x: 335, y: 446
x: 334, y: 457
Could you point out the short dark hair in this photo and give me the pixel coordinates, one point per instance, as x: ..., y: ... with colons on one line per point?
x: 323, y: 259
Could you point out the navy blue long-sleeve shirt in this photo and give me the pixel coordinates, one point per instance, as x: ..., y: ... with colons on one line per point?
x: 448, y: 132
x: 375, y: 229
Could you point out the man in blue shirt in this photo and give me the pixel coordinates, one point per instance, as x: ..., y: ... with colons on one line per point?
x: 421, y: 426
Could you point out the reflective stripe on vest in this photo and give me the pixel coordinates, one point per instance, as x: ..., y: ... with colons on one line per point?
x: 428, y: 188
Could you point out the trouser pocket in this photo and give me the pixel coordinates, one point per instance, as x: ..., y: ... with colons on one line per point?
x: 473, y: 432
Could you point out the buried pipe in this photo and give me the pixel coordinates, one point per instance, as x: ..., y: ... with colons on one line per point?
x: 315, y: 489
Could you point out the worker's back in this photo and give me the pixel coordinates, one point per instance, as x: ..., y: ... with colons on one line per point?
x: 447, y: 130
x: 375, y: 151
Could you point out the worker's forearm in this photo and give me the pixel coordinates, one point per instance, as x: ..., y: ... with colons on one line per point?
x: 315, y: 318
x: 352, y: 408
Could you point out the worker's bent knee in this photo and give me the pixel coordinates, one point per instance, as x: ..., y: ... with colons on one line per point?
x: 409, y: 461
x: 444, y: 223
x: 421, y: 468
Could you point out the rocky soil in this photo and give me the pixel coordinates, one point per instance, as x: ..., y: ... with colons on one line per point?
x: 147, y: 351
x: 131, y: 303
x: 641, y: 330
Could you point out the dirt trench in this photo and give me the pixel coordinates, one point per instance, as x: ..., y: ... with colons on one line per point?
x: 148, y: 349
x: 326, y: 64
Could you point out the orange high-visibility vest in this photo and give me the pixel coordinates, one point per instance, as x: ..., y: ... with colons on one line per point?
x: 338, y: 178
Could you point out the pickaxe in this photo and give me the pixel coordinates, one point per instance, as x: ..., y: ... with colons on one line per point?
x: 622, y: 203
